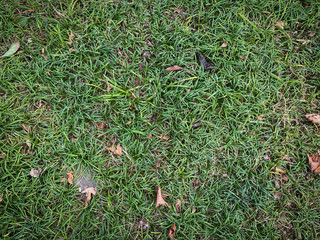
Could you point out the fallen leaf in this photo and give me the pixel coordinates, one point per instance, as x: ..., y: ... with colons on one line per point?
x: 141, y: 65
x: 70, y: 177
x: 101, y: 125
x: 117, y: 150
x: 128, y: 123
x: 280, y: 24
x: 279, y: 170
x: 224, y: 44
x: 244, y: 57
x: 163, y: 137
x: 207, y: 65
x: 158, y: 164
x: 178, y: 205
x: 277, y: 195
x: 25, y: 128
x: 1, y: 197
x: 172, y: 231
x: 71, y: 37
x: 150, y: 135
x: 285, y: 178
x: 88, y: 191
x: 304, y: 41
x: 160, y: 200
x: 28, y: 143
x: 13, y: 48
x: 174, y: 68
x: 260, y: 118
x: 44, y: 55
x: 312, y: 34
x: 315, y: 118
x: 314, y: 162
x: 195, y: 125
x: 35, y: 172
x: 146, y: 54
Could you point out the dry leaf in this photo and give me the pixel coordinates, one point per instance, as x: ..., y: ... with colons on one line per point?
x: 172, y: 231
x: 44, y: 55
x: 28, y: 143
x: 315, y: 118
x: 117, y: 150
x: 25, y: 128
x: 314, y: 162
x: 312, y: 34
x: 304, y: 41
x: 158, y: 164
x: 160, y: 200
x: 279, y: 170
x: 88, y: 191
x: 13, y: 48
x: 1, y: 197
x: 71, y: 37
x: 35, y: 172
x: 224, y: 44
x: 178, y: 205
x: 163, y: 137
x: 285, y: 178
x: 174, y: 68
x: 280, y: 24
x: 244, y: 57
x: 101, y: 125
x: 261, y: 118
x: 277, y: 195
x: 70, y: 177
x: 195, y: 125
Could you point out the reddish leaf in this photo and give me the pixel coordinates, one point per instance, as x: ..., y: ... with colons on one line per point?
x: 174, y: 68
x: 172, y: 231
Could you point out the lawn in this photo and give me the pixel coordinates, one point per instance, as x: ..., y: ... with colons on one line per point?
x: 88, y: 88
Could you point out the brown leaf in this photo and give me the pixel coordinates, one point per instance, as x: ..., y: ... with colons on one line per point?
x: 277, y: 195
x: 160, y: 200
x: 35, y: 172
x: 178, y: 205
x: 174, y: 68
x: 224, y: 44
x: 163, y: 137
x: 117, y: 150
x: 70, y: 177
x: 172, y: 231
x: 28, y: 143
x: 71, y: 37
x: 88, y: 191
x: 1, y: 197
x: 158, y: 164
x: 314, y: 162
x: 280, y: 24
x: 312, y: 34
x: 315, y: 118
x: 25, y: 128
x: 195, y: 125
x: 279, y: 170
x: 101, y: 125
x: 44, y: 55
x: 304, y: 41
x: 244, y: 57
x: 260, y: 118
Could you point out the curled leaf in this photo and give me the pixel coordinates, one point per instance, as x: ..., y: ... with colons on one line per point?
x: 70, y: 177
x: 160, y: 200
x: 172, y: 231
x: 35, y: 172
x: 178, y: 205
x: 314, y: 162
x: 88, y: 191
x: 315, y: 118
x: 13, y: 48
x: 174, y: 68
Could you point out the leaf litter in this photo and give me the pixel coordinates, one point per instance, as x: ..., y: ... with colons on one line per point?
x: 160, y: 200
x: 174, y: 68
x: 172, y: 231
x: 70, y: 177
x: 116, y: 150
x: 89, y: 192
x: 35, y: 172
x: 314, y: 162
x: 315, y: 118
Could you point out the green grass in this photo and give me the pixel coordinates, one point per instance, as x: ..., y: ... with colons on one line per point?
x: 219, y: 170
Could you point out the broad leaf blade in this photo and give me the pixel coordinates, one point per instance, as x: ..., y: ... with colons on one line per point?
x: 13, y: 48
